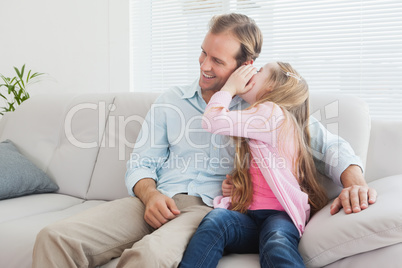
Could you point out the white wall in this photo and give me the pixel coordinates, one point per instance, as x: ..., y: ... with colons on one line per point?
x: 83, y: 45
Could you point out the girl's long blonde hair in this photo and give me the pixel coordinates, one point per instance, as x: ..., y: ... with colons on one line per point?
x: 291, y: 94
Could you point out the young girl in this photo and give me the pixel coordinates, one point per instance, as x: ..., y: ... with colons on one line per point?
x: 274, y: 180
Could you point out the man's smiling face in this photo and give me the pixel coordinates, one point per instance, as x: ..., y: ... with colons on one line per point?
x: 217, y: 60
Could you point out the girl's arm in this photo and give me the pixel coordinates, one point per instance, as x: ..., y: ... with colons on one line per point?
x: 261, y: 122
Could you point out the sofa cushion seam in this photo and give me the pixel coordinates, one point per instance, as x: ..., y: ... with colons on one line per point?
x: 99, y: 149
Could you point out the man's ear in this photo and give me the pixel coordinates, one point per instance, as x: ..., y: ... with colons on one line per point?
x: 248, y: 62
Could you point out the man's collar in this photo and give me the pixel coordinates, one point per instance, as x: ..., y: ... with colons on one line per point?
x: 236, y: 100
x: 191, y: 90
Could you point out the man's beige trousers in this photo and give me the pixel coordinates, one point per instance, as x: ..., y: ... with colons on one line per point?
x: 115, y: 229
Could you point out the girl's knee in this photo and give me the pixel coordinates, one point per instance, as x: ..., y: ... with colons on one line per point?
x: 278, y: 239
x: 216, y: 217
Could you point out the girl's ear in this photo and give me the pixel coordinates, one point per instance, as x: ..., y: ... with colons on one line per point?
x: 248, y: 62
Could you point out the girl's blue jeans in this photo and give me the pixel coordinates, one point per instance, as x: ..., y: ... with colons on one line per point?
x: 270, y: 233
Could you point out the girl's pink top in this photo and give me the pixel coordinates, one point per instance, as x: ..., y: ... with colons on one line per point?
x: 263, y: 197
x: 272, y: 146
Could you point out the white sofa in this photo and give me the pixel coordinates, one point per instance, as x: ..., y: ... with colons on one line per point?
x: 82, y: 142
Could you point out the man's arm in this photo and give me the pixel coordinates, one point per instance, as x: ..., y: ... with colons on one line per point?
x: 150, y: 152
x: 335, y: 158
x: 159, y: 208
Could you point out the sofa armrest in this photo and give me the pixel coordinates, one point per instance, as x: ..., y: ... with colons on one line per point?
x: 385, y: 149
x: 3, y: 121
x: 330, y: 238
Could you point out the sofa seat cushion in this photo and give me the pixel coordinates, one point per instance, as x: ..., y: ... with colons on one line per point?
x: 18, y: 235
x: 19, y: 176
x: 227, y: 261
x: 345, y: 235
x: 373, y: 258
x: 24, y: 206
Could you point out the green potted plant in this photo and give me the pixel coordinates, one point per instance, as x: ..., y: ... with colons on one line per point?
x: 16, y: 88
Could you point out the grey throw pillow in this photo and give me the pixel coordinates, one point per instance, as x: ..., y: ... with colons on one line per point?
x: 19, y: 176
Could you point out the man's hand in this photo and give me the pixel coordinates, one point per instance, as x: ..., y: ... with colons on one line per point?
x: 159, y: 209
x: 356, y: 195
x: 227, y: 186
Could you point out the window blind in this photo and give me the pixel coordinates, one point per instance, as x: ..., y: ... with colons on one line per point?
x: 351, y: 47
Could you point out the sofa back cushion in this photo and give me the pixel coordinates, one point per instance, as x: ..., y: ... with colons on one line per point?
x: 346, y: 116
x: 121, y: 131
x: 385, y: 150
x: 35, y: 128
x: 60, y: 134
x: 82, y: 129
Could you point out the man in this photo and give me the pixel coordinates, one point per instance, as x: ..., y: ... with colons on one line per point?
x: 176, y: 169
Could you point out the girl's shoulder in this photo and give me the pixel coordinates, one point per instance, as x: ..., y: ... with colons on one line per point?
x: 269, y: 107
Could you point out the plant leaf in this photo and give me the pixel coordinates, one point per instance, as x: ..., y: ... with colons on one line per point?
x: 22, y: 79
x: 11, y: 106
x: 28, y: 76
x: 18, y: 72
x: 22, y: 71
x: 16, y: 88
x: 5, y: 79
x: 19, y: 85
x: 20, y: 75
x: 36, y: 74
x: 11, y: 88
x: 12, y: 80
